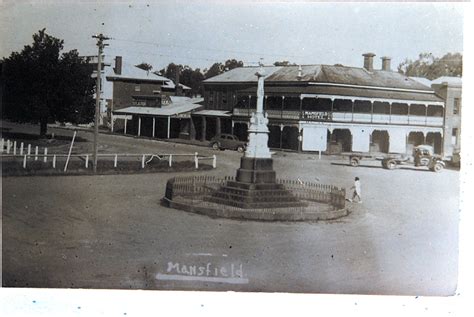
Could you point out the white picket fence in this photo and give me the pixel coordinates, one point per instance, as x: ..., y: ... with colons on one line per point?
x: 11, y: 149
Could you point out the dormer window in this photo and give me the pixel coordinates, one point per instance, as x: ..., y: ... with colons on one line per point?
x: 137, y: 88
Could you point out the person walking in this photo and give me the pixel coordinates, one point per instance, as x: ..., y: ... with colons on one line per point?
x: 357, y: 191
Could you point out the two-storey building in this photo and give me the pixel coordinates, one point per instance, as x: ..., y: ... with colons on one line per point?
x: 146, y: 104
x: 450, y: 89
x: 329, y: 108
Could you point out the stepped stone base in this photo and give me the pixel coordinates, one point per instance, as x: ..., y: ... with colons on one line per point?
x: 255, y: 187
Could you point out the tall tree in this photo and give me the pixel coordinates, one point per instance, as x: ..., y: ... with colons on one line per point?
x: 219, y: 68
x: 188, y: 76
x: 232, y: 63
x: 42, y: 86
x: 431, y: 67
x: 283, y: 63
x: 214, y: 70
x: 145, y: 66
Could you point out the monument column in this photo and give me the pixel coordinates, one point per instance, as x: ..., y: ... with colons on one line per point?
x: 256, y: 166
x: 255, y: 184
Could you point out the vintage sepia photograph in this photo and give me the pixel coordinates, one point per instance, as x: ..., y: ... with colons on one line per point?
x: 247, y: 146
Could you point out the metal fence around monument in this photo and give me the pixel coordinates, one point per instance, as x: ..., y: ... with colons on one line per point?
x: 196, y: 187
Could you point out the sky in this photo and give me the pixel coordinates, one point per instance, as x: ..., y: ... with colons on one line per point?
x: 200, y: 33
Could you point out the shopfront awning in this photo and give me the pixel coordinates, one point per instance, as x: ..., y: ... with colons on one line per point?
x: 213, y: 113
x: 173, y: 110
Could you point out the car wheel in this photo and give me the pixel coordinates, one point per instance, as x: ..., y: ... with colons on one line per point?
x: 391, y: 164
x: 240, y: 149
x: 354, y: 161
x: 384, y: 163
x: 216, y: 146
x: 438, y: 167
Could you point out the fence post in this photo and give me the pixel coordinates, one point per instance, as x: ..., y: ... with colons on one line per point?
x: 8, y: 146
x: 214, y: 161
x: 45, y: 154
x: 115, y: 161
x: 54, y: 161
x: 29, y: 150
x: 2, y: 144
x: 87, y: 160
x: 24, y: 161
x: 36, y: 153
x: 14, y: 147
x: 21, y: 148
x: 170, y: 160
x: 196, y: 162
x: 143, y: 161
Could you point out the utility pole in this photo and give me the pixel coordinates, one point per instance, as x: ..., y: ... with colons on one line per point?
x: 100, y: 43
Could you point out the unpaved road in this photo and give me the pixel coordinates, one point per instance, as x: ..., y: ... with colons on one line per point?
x: 111, y: 232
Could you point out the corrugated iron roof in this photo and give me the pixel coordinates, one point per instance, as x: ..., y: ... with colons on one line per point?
x: 178, y: 105
x: 165, y: 111
x: 241, y: 74
x: 448, y: 80
x: 321, y: 74
x: 170, y: 85
x: 132, y: 72
x: 422, y: 80
x: 213, y: 113
x: 348, y: 91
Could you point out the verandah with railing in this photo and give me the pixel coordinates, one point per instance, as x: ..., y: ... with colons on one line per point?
x: 345, y: 109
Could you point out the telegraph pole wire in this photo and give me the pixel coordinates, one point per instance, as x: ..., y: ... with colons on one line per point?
x: 100, y: 43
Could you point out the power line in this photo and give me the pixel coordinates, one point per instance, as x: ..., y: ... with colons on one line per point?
x: 208, y: 49
x: 172, y: 56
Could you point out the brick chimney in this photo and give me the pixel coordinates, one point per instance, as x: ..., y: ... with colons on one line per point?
x: 118, y: 65
x: 178, y: 88
x: 369, y: 61
x: 386, y: 63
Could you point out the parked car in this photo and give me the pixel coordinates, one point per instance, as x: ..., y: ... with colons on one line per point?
x: 227, y: 142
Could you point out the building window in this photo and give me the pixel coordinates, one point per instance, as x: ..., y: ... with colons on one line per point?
x: 456, y: 106
x: 224, y: 99
x: 454, y: 137
x: 137, y: 87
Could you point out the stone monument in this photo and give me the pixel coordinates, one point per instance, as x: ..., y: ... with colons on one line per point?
x: 255, y: 184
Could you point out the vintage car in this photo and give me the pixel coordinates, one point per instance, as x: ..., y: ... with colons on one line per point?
x: 227, y: 141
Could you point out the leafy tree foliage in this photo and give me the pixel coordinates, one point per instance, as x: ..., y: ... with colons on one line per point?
x: 219, y: 68
x: 193, y: 77
x: 187, y: 76
x: 145, y: 66
x: 42, y: 85
x: 214, y: 70
x: 232, y: 63
x: 283, y: 63
x: 431, y: 67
